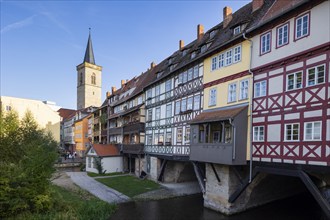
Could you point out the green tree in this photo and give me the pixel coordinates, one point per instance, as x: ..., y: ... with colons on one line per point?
x: 27, y: 157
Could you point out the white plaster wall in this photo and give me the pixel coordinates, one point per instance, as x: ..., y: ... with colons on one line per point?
x: 112, y: 164
x: 274, y: 132
x: 319, y: 17
x: 275, y: 85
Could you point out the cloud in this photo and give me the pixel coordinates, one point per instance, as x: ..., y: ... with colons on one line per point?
x: 53, y: 19
x: 19, y: 24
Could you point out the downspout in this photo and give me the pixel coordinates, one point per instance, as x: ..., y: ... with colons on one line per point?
x: 250, y: 106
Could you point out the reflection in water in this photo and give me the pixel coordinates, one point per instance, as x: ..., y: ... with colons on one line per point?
x: 302, y: 207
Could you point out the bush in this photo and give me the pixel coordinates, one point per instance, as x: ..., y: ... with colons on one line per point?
x: 26, y: 165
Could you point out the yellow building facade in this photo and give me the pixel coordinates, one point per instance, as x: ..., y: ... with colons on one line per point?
x: 227, y: 80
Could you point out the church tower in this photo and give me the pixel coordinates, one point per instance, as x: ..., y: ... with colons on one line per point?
x: 89, y: 80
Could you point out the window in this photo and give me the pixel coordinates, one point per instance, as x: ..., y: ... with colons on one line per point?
x: 315, y: 75
x: 212, y: 34
x: 216, y: 136
x: 213, y: 97
x: 81, y: 79
x: 232, y: 92
x: 228, y: 131
x: 302, y: 26
x: 237, y: 30
x: 237, y: 54
x: 8, y: 108
x: 149, y: 94
x: 282, y: 35
x: 177, y: 107
x: 244, y: 89
x: 294, y: 81
x: 193, y: 55
x: 187, y: 136
x: 258, y: 133
x: 197, y: 101
x: 196, y: 73
x: 157, y: 115
x: 157, y: 90
x: 161, y: 139
x: 168, y: 138
x: 221, y: 60
x: 184, y: 77
x: 180, y: 79
x: 168, y: 110
x: 168, y: 85
x: 190, y: 74
x: 149, y: 115
x: 139, y: 101
x: 228, y: 57
x: 89, y: 163
x: 183, y: 105
x: 260, y: 89
x: 179, y: 135
x: 149, y: 139
x: 265, y: 43
x: 214, y: 63
x: 203, y: 48
x: 292, y: 132
x: 312, y: 131
x: 93, y: 79
x: 190, y: 103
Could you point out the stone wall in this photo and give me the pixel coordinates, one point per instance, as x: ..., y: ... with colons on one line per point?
x: 177, y: 172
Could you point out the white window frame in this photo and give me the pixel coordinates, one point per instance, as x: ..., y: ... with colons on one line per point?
x: 313, y: 138
x: 229, y: 57
x: 265, y: 43
x: 244, y: 89
x: 221, y: 60
x: 197, y: 102
x: 258, y: 89
x: 316, y: 75
x: 232, y: 94
x: 281, y: 35
x: 237, y: 53
x: 168, y: 85
x: 291, y: 129
x: 214, y: 63
x: 237, y: 30
x: 213, y: 97
x: 157, y: 113
x: 257, y: 131
x: 301, y: 27
x: 295, y: 84
x: 177, y: 107
x: 190, y: 103
x: 168, y: 110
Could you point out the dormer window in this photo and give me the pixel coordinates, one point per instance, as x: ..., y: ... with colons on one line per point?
x: 193, y: 55
x: 203, y: 48
x: 159, y: 74
x: 184, y: 52
x: 237, y: 30
x: 212, y: 34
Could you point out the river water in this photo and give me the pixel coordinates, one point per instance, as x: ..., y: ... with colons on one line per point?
x: 302, y: 207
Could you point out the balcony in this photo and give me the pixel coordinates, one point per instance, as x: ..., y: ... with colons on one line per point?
x: 104, y: 133
x: 220, y: 136
x: 133, y: 148
x: 116, y: 130
x: 134, y: 127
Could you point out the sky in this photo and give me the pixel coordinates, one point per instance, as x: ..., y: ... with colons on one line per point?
x: 42, y: 42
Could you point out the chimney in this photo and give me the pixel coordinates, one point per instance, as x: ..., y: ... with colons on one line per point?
x: 122, y: 83
x: 152, y: 65
x: 108, y: 94
x: 181, y: 44
x: 256, y: 4
x: 200, y: 31
x: 227, y: 16
x: 113, y: 89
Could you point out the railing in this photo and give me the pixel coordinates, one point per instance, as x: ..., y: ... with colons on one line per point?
x: 116, y: 130
x: 177, y: 150
x: 133, y: 148
x: 104, y: 133
x: 134, y: 127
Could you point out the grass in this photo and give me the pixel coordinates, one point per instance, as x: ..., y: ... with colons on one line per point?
x: 129, y: 185
x: 104, y: 174
x: 72, y: 205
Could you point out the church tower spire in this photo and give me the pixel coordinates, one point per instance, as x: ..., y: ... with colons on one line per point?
x: 89, y: 82
x: 89, y: 54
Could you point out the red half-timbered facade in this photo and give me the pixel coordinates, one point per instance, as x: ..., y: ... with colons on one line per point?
x: 291, y: 121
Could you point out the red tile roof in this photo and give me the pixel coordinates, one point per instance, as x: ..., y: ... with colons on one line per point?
x: 65, y: 113
x: 106, y: 150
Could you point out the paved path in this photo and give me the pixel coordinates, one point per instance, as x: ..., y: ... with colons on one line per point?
x: 98, y: 189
